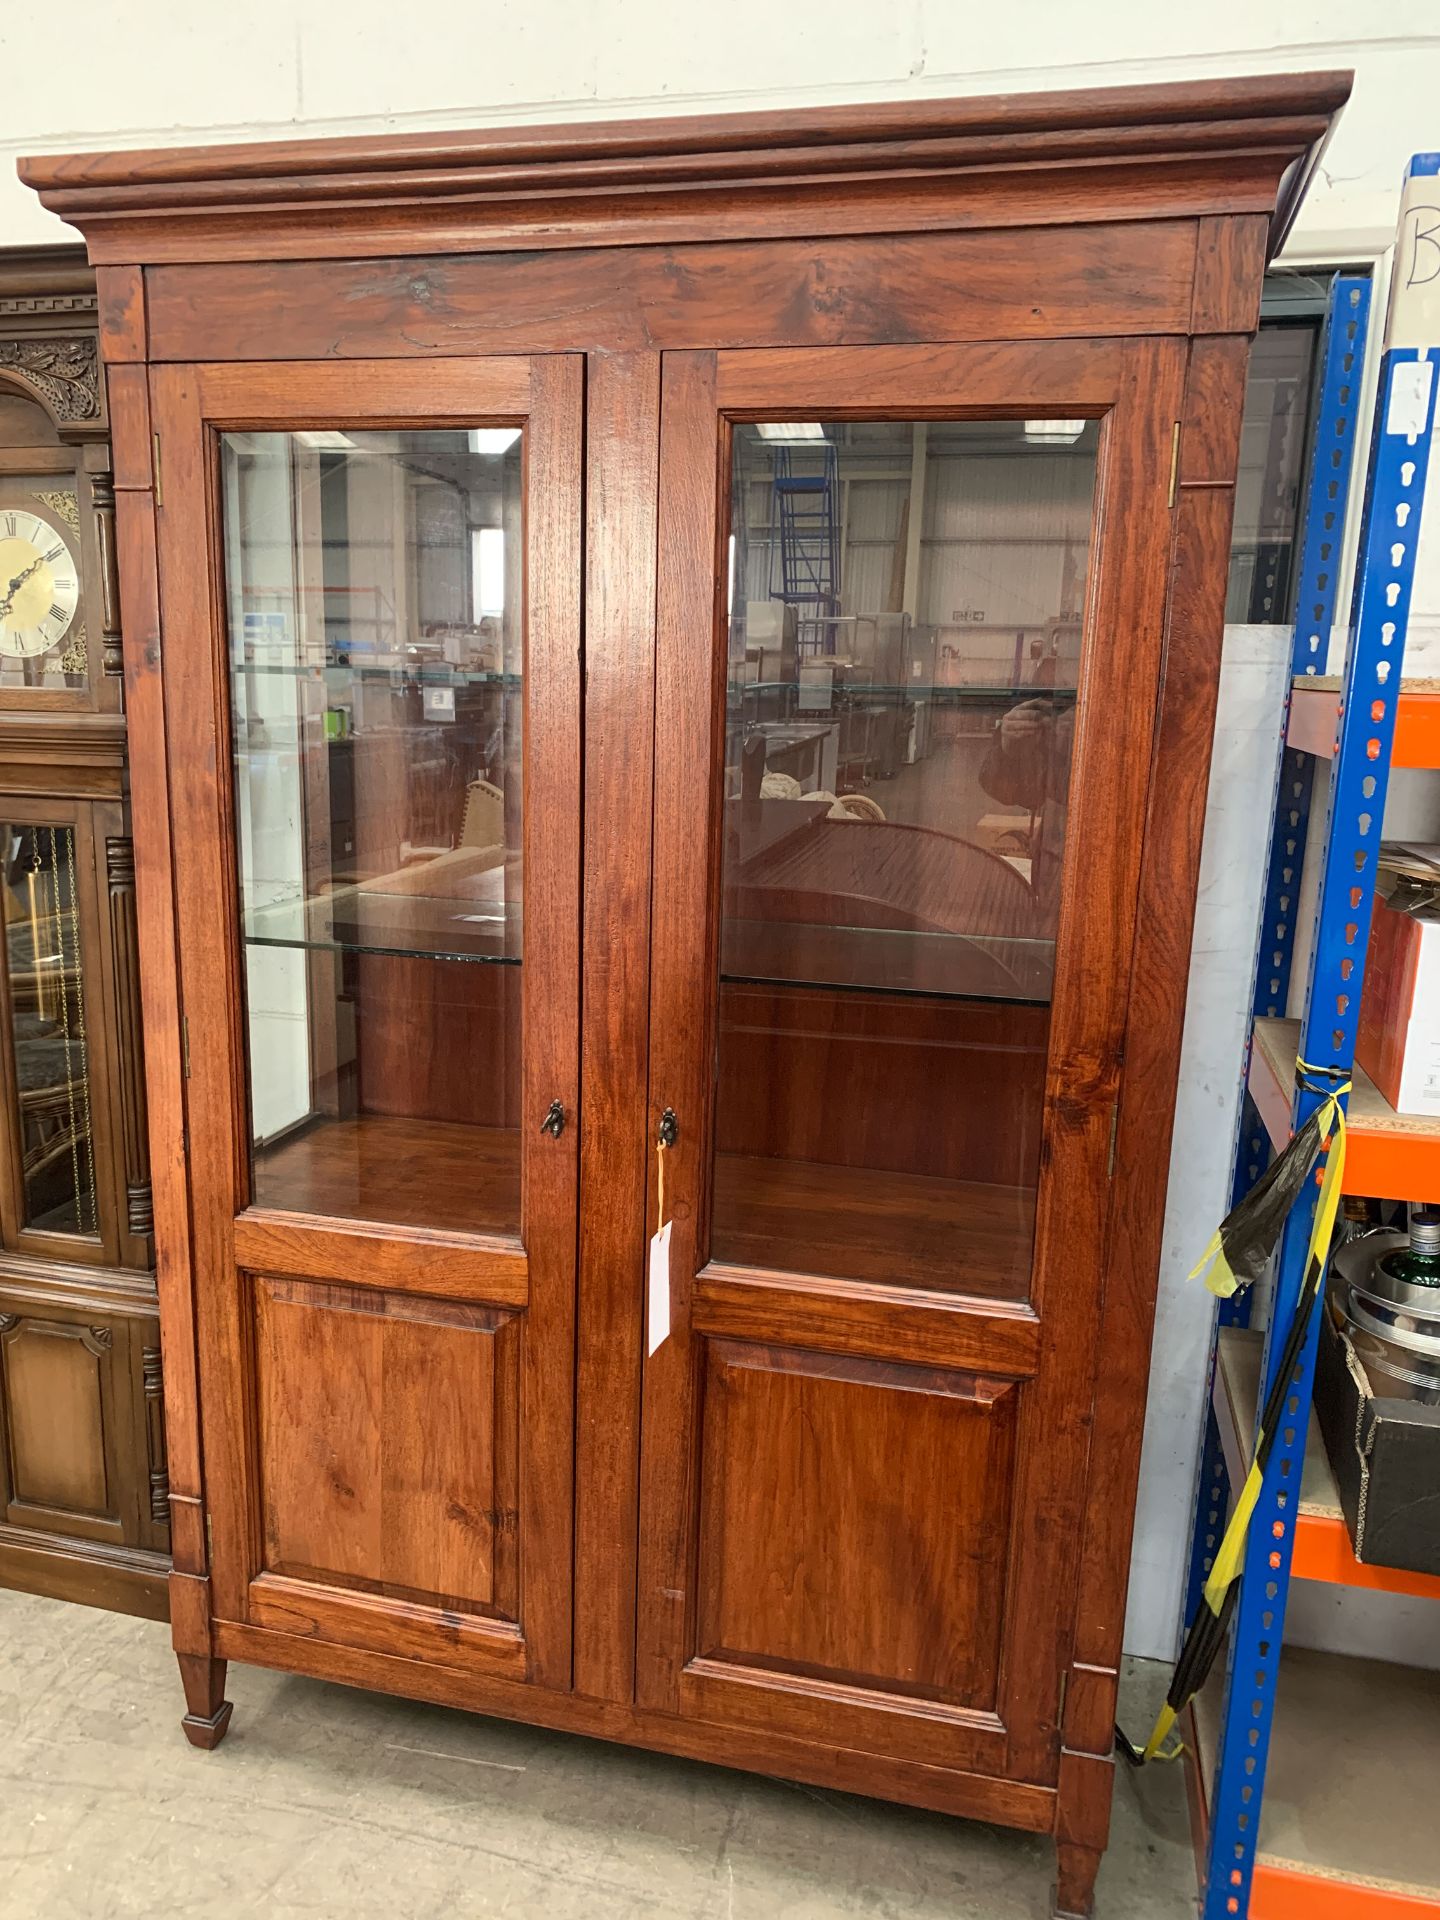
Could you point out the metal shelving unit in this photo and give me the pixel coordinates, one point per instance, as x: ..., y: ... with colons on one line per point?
x: 1300, y: 1856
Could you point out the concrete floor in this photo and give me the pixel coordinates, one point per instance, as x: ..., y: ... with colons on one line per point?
x: 327, y: 1802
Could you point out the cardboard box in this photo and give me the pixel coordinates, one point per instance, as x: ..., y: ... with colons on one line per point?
x: 1398, y: 1040
x: 1385, y: 1455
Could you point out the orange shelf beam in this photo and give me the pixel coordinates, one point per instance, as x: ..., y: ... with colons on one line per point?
x: 1388, y: 1155
x: 1315, y: 723
x: 1323, y: 1552
x: 1288, y: 1893
x: 1278, y: 1889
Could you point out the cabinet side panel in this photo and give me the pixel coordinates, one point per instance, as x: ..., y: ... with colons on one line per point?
x: 155, y: 936
x: 1180, y: 776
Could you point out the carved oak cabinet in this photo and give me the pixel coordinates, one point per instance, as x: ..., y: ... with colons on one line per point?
x: 670, y: 669
x: 83, y: 1495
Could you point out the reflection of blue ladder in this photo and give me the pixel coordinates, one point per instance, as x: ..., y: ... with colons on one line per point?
x: 805, y: 540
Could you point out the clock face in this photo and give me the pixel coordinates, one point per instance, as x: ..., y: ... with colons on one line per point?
x: 39, y: 584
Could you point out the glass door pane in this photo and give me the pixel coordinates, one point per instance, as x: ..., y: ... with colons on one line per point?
x: 47, y: 989
x: 374, y: 583
x: 906, y: 607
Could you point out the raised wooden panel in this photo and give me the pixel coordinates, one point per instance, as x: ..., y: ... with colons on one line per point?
x: 84, y: 1489
x: 824, y: 1551
x: 54, y: 1383
x: 386, y: 1436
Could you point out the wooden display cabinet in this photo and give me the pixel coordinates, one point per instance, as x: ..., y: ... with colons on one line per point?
x: 84, y: 1499
x: 671, y: 669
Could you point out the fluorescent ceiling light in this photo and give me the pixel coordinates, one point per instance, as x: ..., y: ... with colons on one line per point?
x: 327, y: 440
x: 1055, y: 433
x: 790, y: 430
x: 493, y: 439
x: 487, y: 589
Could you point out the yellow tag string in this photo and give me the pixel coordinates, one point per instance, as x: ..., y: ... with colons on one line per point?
x: 660, y: 1152
x: 1228, y: 1560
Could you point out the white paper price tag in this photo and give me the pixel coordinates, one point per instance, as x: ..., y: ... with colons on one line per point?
x: 658, y: 1316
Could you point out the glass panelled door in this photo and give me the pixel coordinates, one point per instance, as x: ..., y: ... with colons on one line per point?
x: 50, y: 989
x: 374, y: 586
x: 896, y: 794
x: 907, y: 667
x: 379, y: 962
x: 61, y: 1154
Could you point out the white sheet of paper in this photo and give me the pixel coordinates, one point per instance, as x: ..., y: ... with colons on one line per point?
x: 658, y: 1318
x: 1409, y: 397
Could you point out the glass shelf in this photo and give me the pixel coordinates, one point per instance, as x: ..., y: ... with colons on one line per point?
x: 418, y: 672
x: 923, y: 965
x: 913, y: 690
x: 410, y: 926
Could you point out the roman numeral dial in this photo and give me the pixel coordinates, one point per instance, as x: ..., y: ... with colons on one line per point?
x: 39, y: 584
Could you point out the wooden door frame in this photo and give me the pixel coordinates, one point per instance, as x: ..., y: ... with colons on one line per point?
x: 1136, y: 387
x: 190, y: 406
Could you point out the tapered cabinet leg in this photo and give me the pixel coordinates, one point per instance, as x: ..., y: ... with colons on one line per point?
x: 208, y: 1711
x: 1076, y: 1868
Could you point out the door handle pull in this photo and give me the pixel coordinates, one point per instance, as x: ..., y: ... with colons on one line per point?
x: 554, y: 1121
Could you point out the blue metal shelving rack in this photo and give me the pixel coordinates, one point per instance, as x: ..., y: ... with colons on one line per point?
x: 1389, y: 535
x: 1332, y: 461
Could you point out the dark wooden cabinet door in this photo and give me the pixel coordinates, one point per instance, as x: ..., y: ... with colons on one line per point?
x: 370, y: 583
x: 910, y: 611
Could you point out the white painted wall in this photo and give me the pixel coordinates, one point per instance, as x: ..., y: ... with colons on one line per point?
x: 153, y: 74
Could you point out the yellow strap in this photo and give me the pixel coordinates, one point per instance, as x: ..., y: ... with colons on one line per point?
x: 1229, y: 1559
x: 1227, y: 1563
x: 660, y: 1183
x: 1334, y: 1174
x: 1155, y: 1748
x: 1232, y: 1548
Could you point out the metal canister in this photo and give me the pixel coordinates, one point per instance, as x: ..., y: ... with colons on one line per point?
x: 1393, y: 1323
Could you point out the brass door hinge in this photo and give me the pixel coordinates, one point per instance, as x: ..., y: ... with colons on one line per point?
x: 159, y: 490
x: 209, y: 1541
x: 1114, y: 1129
x: 185, y: 1046
x: 1174, y: 462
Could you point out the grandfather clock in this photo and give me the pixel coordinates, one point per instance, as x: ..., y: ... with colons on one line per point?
x: 84, y: 1496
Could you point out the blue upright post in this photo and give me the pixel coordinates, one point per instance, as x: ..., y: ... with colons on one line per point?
x: 1332, y: 459
x: 1395, y: 495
